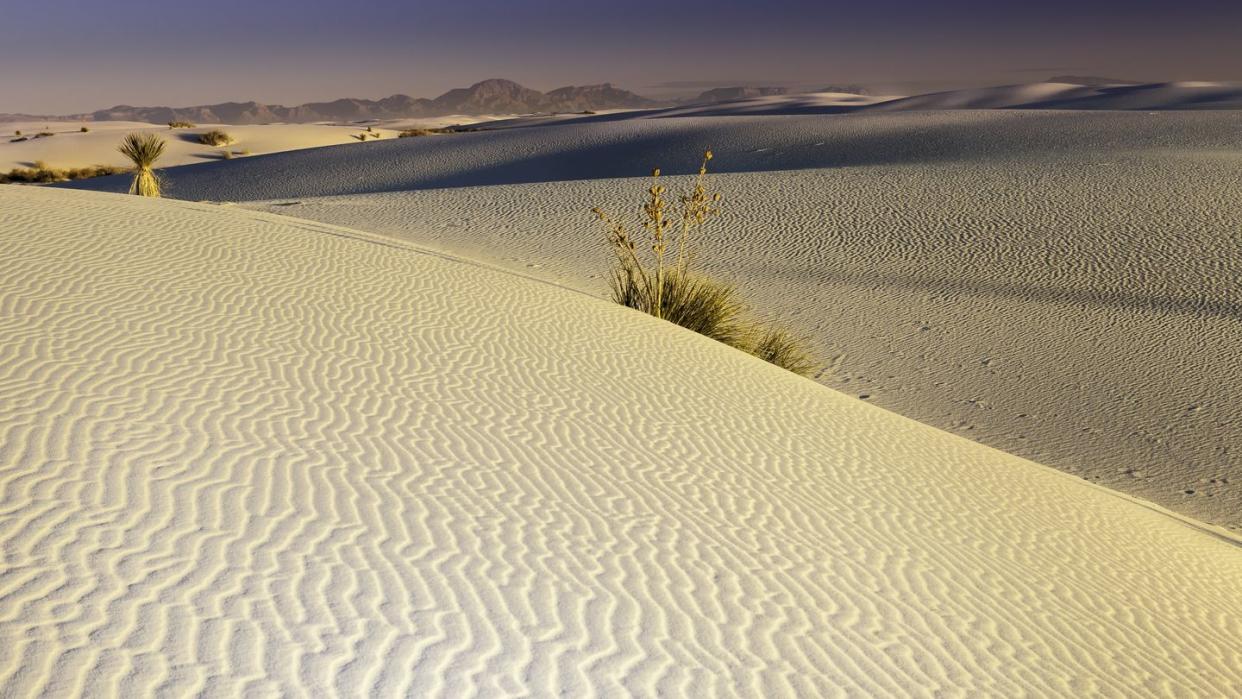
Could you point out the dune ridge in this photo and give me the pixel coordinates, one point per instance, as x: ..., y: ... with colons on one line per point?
x: 242, y: 453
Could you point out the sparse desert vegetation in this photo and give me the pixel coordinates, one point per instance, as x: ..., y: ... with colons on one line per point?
x: 85, y: 129
x: 661, y: 281
x: 143, y: 150
x: 181, y: 125
x: 215, y: 137
x: 413, y: 133
x: 41, y: 173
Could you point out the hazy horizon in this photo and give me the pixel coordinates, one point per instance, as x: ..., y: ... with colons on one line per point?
x: 78, y: 56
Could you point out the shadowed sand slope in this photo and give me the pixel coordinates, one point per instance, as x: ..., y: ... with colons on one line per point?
x: 620, y: 146
x: 241, y: 453
x: 1152, y: 96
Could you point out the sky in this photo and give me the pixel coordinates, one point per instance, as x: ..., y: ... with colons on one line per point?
x: 69, y: 56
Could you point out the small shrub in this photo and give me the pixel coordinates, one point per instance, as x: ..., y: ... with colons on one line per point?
x: 85, y: 129
x: 662, y: 283
x: 360, y: 136
x: 17, y: 133
x: 180, y: 125
x: 41, y: 175
x: 786, y: 350
x: 143, y: 150
x: 44, y: 134
x: 18, y: 139
x: 215, y: 137
x: 413, y: 133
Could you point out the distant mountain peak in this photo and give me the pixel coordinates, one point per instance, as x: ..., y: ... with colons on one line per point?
x: 490, y: 96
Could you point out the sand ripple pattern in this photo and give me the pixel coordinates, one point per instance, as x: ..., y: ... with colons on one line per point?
x: 248, y: 455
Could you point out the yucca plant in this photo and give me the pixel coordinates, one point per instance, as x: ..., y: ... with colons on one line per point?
x: 661, y: 282
x: 143, y: 150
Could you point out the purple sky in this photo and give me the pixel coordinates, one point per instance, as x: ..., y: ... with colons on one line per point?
x: 66, y: 56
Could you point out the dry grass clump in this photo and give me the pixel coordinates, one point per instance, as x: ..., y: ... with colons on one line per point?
x: 19, y: 139
x: 143, y: 150
x: 42, y: 174
x: 215, y: 137
x: 181, y: 125
x: 413, y: 133
x: 84, y: 129
x: 661, y: 281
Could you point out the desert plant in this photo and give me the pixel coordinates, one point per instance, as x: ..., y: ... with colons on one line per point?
x: 411, y: 133
x: 143, y: 150
x: 85, y: 129
x: 215, y: 137
x: 19, y: 139
x: 17, y: 133
x: 180, y: 125
x: 44, y: 134
x: 661, y: 281
x: 778, y: 346
x: 40, y: 175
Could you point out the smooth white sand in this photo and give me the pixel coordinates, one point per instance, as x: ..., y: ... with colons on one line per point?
x: 72, y: 148
x: 245, y: 454
x: 1160, y: 96
x: 1059, y: 285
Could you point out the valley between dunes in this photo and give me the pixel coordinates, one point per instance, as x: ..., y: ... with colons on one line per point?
x: 248, y: 454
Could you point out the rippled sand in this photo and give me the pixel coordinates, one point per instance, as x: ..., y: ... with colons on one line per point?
x: 248, y: 454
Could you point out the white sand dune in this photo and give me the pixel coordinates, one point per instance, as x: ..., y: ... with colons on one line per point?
x: 620, y: 145
x: 69, y: 147
x: 1057, y: 285
x: 1147, y: 96
x: 245, y: 454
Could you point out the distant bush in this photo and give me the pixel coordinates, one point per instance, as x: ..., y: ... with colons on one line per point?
x: 44, y: 134
x: 180, y: 125
x: 412, y: 133
x: 41, y: 173
x: 19, y: 139
x: 85, y: 129
x: 143, y: 150
x: 215, y: 137
x: 663, y: 284
x: 17, y: 133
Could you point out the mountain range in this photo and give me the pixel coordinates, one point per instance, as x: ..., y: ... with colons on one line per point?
x: 495, y: 96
